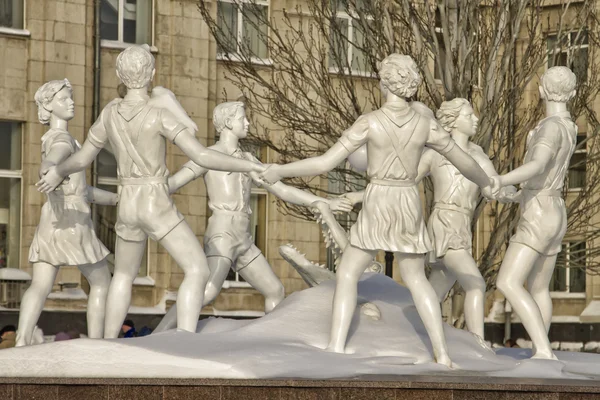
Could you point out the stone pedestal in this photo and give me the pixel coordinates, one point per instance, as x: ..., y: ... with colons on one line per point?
x: 443, y: 387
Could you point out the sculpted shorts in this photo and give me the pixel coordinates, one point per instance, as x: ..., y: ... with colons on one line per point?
x: 146, y: 210
x: 227, y: 236
x: 543, y: 224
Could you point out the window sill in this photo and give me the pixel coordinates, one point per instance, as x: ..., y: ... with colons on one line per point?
x: 567, y: 295
x: 115, y: 44
x: 14, y: 32
x: 575, y: 190
x: 267, y: 62
x: 144, y: 281
x: 236, y: 285
x: 358, y: 74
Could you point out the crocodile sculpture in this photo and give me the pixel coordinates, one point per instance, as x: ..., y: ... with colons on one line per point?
x: 336, y: 239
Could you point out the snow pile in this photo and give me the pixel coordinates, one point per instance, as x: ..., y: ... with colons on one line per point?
x: 288, y: 343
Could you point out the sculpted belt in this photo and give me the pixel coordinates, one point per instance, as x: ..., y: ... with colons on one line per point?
x: 232, y: 213
x: 149, y: 180
x: 452, y: 207
x: 389, y: 182
x: 542, y: 192
x: 57, y: 197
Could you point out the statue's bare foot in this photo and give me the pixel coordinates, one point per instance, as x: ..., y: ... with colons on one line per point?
x: 544, y: 355
x: 444, y: 359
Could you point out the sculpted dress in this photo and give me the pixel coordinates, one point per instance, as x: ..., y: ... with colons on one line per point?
x: 391, y: 218
x: 455, y: 200
x: 65, y: 234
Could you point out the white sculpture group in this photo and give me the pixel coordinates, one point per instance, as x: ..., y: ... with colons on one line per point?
x: 399, y: 144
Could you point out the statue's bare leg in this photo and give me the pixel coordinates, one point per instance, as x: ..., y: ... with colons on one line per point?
x: 442, y: 280
x: 33, y: 300
x: 219, y: 268
x: 186, y: 250
x: 517, y: 264
x: 128, y: 257
x: 538, y: 284
x: 412, y: 271
x: 462, y: 265
x: 98, y: 275
x: 262, y: 278
x: 353, y: 263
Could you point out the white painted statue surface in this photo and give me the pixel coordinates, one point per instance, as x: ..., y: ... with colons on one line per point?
x: 455, y: 200
x: 136, y: 128
x: 531, y: 255
x: 227, y: 240
x: 391, y: 218
x: 65, y: 234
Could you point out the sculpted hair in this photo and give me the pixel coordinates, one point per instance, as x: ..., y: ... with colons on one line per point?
x: 225, y: 111
x: 135, y: 66
x: 400, y: 75
x: 449, y: 112
x: 559, y: 83
x: 44, y: 95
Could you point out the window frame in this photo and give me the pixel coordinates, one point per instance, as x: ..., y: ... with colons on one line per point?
x: 237, y: 56
x: 438, y: 80
x: 569, y: 49
x: 120, y: 43
x: 350, y: 16
x: 556, y: 294
x: 582, y: 150
x: 17, y: 174
x: 10, y: 30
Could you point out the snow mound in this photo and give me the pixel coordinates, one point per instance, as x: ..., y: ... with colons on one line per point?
x: 288, y: 343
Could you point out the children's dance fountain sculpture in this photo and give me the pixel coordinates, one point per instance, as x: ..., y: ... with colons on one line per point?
x: 306, y: 335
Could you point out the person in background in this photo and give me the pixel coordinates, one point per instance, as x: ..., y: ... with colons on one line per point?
x: 8, y: 334
x: 128, y: 329
x: 60, y: 336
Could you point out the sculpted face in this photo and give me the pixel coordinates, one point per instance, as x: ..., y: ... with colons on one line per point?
x: 62, y: 105
x: 240, y: 124
x: 467, y: 121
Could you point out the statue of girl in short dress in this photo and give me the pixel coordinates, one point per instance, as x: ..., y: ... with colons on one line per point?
x: 65, y: 234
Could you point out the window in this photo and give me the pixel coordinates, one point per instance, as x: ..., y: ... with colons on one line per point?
x: 569, y: 274
x: 258, y: 218
x: 348, y: 40
x: 576, y: 178
x: 128, y: 21
x: 10, y: 194
x: 571, y: 51
x: 440, y: 56
x: 11, y: 14
x: 106, y: 216
x: 242, y: 30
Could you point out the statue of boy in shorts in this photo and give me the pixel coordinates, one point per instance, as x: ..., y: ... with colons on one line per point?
x: 531, y: 255
x: 227, y: 240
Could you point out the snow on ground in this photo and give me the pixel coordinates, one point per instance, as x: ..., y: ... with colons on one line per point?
x: 288, y: 343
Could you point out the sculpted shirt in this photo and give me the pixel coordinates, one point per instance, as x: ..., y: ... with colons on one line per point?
x: 395, y: 128
x: 148, y: 127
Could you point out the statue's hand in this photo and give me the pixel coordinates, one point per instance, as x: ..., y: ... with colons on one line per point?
x: 340, y: 205
x: 354, y: 197
x: 49, y: 181
x: 271, y: 174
